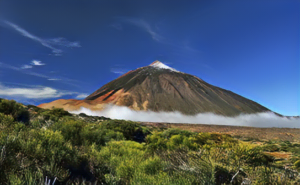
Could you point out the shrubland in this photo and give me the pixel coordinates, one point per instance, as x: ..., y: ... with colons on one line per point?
x: 40, y: 146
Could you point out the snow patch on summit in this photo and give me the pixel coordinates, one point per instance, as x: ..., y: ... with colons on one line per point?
x: 158, y: 64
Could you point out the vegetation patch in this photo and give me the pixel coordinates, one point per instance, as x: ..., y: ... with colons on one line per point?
x: 56, y: 147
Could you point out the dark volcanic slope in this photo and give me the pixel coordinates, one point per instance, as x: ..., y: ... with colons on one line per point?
x: 159, y: 89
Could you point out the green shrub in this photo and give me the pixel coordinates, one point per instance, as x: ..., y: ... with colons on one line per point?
x: 18, y: 111
x: 43, y: 145
x: 152, y: 166
x: 79, y: 132
x: 6, y: 120
x: 9, y: 161
x: 177, y: 141
x: 190, y: 143
x: 8, y: 125
x: 57, y: 144
x: 28, y: 176
x: 271, y: 148
x: 35, y: 108
x: 156, y: 142
x: 254, y: 156
x: 175, y: 131
x: 127, y: 128
x: 55, y: 114
x: 123, y: 158
x: 125, y: 171
x: 70, y: 130
x: 215, y: 139
x: 94, y: 133
x: 297, y: 164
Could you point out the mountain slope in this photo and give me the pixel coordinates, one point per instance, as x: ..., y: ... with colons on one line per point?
x: 158, y: 87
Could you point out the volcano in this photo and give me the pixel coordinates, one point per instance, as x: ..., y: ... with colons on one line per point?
x: 158, y: 87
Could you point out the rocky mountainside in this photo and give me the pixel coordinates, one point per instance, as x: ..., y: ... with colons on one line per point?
x: 158, y: 87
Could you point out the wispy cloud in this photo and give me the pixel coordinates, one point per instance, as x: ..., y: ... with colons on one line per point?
x: 33, y: 63
x: 37, y: 63
x: 7, y: 66
x: 63, y: 42
x: 186, y: 45
x: 118, y: 70
x: 118, y: 26
x: 81, y: 96
x: 155, y: 33
x: 145, y: 26
x: 32, y: 93
x: 49, y: 43
x: 62, y: 80
x: 26, y: 67
x: 54, y: 79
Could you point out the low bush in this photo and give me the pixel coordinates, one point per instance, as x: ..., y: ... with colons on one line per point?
x: 54, y: 114
x: 271, y: 148
x: 18, y: 111
x: 297, y: 164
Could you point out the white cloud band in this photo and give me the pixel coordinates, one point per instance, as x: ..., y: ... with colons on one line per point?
x: 266, y: 119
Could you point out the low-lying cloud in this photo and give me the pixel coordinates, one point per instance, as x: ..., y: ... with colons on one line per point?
x: 266, y: 119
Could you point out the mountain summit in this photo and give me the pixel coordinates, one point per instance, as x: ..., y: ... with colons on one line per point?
x: 158, y: 64
x: 158, y: 87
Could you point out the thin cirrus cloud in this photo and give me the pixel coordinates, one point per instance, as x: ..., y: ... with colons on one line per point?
x: 26, y: 66
x: 118, y: 26
x: 7, y: 66
x: 62, y: 80
x: 49, y: 43
x: 154, y: 33
x: 118, y: 70
x: 141, y: 23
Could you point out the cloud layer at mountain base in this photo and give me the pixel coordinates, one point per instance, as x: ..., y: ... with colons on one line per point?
x: 266, y: 119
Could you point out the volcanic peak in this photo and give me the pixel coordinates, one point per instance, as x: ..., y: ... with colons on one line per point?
x: 160, y: 65
x: 159, y: 87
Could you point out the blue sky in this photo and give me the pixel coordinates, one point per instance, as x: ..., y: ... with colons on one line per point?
x: 68, y: 49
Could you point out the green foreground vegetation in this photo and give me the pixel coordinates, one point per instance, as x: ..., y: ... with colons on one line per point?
x: 40, y: 146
